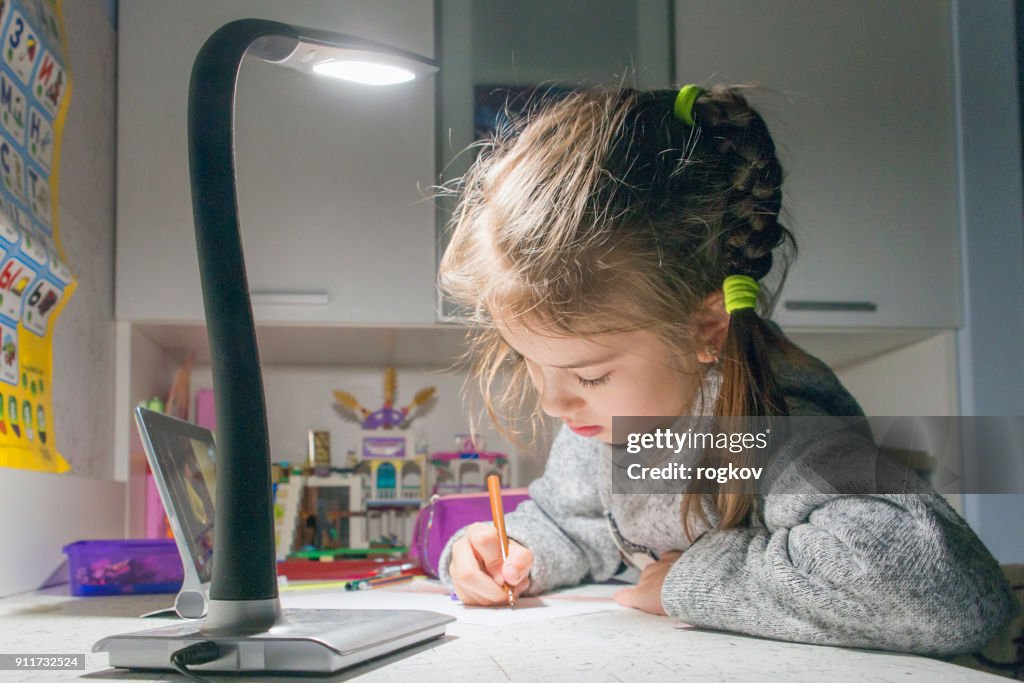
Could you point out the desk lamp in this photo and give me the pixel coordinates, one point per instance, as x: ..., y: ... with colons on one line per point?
x: 245, y: 628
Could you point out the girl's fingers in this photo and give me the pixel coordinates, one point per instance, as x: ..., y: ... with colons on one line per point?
x: 472, y: 584
x: 478, y: 589
x: 483, y: 539
x: 469, y: 597
x: 479, y: 574
x: 517, y: 567
x: 624, y: 597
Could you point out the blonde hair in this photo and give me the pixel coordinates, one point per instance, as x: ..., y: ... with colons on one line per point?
x: 599, y: 212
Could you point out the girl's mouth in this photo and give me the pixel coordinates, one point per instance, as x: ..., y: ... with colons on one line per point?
x: 588, y: 431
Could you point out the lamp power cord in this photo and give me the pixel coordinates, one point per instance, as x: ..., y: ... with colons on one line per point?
x: 200, y: 652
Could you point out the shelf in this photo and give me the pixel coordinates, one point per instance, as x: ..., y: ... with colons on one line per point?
x: 440, y: 345
x: 318, y: 345
x: 842, y: 347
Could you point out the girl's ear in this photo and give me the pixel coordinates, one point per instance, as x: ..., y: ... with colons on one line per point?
x: 712, y: 326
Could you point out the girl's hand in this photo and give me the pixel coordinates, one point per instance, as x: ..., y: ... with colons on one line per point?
x: 478, y: 573
x: 647, y: 594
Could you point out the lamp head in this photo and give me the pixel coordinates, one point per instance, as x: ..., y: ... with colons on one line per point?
x: 340, y: 56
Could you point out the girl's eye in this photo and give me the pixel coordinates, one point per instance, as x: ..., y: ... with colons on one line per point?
x: 594, y: 382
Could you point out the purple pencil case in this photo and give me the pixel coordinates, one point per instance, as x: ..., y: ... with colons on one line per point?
x: 444, y: 515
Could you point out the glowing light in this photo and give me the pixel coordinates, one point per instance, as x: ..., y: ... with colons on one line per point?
x: 367, y: 73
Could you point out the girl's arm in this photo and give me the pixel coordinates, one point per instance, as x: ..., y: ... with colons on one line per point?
x: 563, y: 522
x: 893, y: 572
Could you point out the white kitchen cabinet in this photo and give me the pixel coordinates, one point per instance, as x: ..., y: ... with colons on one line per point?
x: 494, y: 46
x: 860, y: 100
x: 331, y: 175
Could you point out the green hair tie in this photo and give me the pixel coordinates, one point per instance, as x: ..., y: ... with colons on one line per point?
x: 683, y: 108
x: 740, y: 292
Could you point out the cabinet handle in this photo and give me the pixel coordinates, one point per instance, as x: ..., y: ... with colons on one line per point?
x: 274, y: 298
x: 841, y: 306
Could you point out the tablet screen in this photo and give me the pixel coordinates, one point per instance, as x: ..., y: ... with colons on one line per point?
x: 182, y: 457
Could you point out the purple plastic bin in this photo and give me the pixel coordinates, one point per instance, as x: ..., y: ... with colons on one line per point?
x: 444, y: 515
x: 123, y: 567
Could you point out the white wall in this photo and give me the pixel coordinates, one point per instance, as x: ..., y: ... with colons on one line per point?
x: 39, y: 513
x: 83, y: 352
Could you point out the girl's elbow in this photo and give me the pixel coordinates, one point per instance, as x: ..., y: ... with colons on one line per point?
x: 958, y: 621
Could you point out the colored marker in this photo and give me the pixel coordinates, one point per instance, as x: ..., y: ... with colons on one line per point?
x: 367, y: 584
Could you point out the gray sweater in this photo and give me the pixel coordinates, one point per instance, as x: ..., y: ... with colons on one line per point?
x: 892, y: 572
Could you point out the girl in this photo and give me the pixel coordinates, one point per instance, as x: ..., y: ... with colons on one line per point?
x: 609, y: 249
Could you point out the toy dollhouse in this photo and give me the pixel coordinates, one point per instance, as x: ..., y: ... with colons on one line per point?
x: 334, y: 512
x: 394, y: 471
x: 465, y: 469
x: 372, y: 502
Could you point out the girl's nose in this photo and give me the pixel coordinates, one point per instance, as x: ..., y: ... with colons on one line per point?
x: 558, y: 401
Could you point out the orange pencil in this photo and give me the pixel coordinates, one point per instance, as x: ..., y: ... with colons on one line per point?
x: 498, y: 513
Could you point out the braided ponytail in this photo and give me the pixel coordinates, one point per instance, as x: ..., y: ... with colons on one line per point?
x: 750, y: 232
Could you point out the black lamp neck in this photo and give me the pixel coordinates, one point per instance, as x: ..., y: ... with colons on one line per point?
x: 243, y: 555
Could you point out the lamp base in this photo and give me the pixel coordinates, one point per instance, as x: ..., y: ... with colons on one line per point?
x: 302, y: 640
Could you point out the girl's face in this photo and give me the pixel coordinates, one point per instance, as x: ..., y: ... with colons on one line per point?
x: 586, y: 381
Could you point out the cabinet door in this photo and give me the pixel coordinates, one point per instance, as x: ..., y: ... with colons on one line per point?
x: 331, y: 175
x: 490, y: 49
x: 859, y: 98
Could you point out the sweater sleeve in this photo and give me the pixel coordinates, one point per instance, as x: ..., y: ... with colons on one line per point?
x: 563, y: 523
x: 894, y: 572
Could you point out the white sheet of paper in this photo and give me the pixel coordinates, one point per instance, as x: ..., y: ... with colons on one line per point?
x: 434, y: 596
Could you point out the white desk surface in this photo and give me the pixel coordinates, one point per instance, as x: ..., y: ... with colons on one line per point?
x: 609, y: 646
